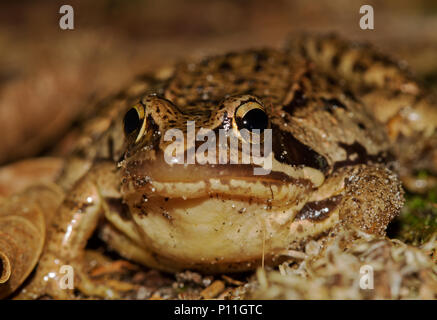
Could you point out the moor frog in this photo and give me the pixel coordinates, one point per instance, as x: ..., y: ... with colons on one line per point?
x: 345, y: 121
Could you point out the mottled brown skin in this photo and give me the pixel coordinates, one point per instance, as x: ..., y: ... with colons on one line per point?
x: 341, y: 114
x: 391, y: 95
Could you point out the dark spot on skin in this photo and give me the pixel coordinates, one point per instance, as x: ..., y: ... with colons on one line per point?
x: 299, y: 100
x: 260, y: 56
x: 357, y: 154
x: 336, y: 60
x: 287, y: 149
x: 332, y: 81
x: 257, y: 68
x: 250, y: 91
x: 350, y: 95
x: 383, y: 59
x: 299, y: 228
x: 141, y: 211
x: 116, y: 205
x: 167, y: 216
x: 308, y: 74
x: 239, y: 81
x: 331, y: 104
x: 397, y: 93
x: 317, y: 211
x: 225, y: 66
x: 361, y: 125
x: 359, y: 67
x: 230, y: 55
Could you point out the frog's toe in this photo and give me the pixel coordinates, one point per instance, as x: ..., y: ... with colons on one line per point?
x: 61, y: 280
x: 107, y: 289
x: 53, y: 279
x: 99, y: 276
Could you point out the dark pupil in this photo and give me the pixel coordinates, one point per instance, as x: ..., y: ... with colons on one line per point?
x: 131, y: 121
x: 254, y: 119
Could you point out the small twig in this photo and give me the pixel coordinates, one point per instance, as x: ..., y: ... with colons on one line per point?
x: 213, y: 290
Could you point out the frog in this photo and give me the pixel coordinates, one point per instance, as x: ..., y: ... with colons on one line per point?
x: 343, y: 118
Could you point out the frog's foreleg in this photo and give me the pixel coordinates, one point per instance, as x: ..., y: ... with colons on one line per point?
x: 127, y: 248
x: 22, y: 233
x: 74, y: 223
x: 371, y: 198
x: 390, y: 94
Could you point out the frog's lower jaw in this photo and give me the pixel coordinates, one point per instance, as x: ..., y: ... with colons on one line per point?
x: 216, y: 232
x: 214, y: 235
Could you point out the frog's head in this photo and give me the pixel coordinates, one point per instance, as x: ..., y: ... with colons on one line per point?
x: 204, y: 213
x: 219, y: 214
x: 172, y: 150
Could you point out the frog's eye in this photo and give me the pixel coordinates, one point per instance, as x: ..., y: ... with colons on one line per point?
x: 134, y: 121
x: 251, y: 116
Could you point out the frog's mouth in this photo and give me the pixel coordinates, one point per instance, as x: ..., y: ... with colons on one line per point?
x: 217, y: 218
x: 157, y: 178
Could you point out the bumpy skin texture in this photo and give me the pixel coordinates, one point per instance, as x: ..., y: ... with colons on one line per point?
x: 339, y: 114
x: 379, y: 184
